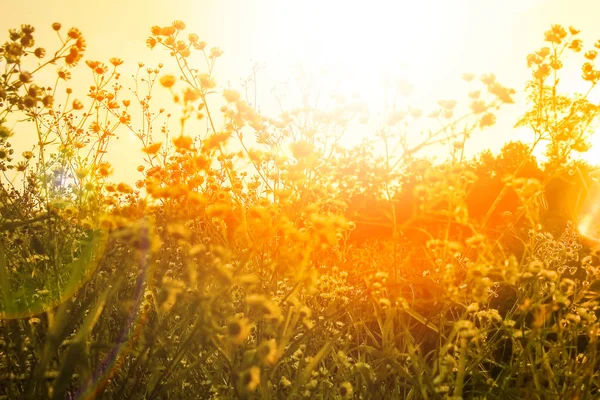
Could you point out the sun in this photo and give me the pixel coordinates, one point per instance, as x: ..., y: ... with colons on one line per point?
x: 362, y: 43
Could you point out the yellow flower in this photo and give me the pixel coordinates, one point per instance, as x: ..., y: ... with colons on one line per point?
x: 488, y: 119
x: 153, y: 148
x: 179, y: 25
x: 116, y: 61
x: 215, y: 52
x: 346, y: 390
x: 238, y: 330
x: 267, y: 352
x: 250, y: 379
x: 167, y: 81
x: 591, y: 55
x: 151, y: 42
x: 231, y: 95
x: 77, y: 105
x: 74, y: 33
x: 207, y: 81
x: 190, y: 95
x: 183, y: 142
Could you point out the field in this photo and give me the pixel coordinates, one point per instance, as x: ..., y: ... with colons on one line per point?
x: 256, y: 256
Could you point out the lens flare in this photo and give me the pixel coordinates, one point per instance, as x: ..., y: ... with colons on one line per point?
x: 589, y: 225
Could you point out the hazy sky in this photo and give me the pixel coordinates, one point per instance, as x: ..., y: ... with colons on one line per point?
x: 431, y: 42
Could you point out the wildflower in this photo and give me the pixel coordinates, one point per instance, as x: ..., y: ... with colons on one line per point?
x: 124, y: 188
x: 74, y: 33
x: 478, y: 106
x: 104, y: 169
x: 116, y: 61
x: 207, y: 81
x: 488, y: 119
x: 267, y: 352
x: 576, y: 45
x: 183, y: 142
x: 25, y: 77
x: 179, y: 25
x: 250, y: 379
x: 266, y: 306
x: 77, y: 105
x: 27, y: 41
x: 193, y: 38
x: 5, y: 132
x: 215, y: 52
x: 48, y: 101
x: 80, y: 173
x: 591, y: 55
x: 40, y: 52
x: 29, y: 101
x: 73, y: 58
x: 56, y: 26
x: 167, y: 31
x: 231, y: 95
x: 167, y: 81
x: 285, y: 382
x: 21, y: 166
x: 533, y: 59
x: 34, y: 321
x: 27, y: 155
x: 473, y: 307
x: 190, y: 95
x: 64, y: 74
x: 346, y: 390
x: 468, y: 77
x: 151, y: 42
x: 100, y: 69
x: 305, y: 312
x: 80, y: 44
x: 385, y: 303
x: 200, y: 45
x: 488, y: 79
x: 152, y: 149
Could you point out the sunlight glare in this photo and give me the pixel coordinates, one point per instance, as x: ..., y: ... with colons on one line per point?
x: 360, y: 46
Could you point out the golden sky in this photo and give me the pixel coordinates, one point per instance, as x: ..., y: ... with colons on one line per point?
x: 429, y: 42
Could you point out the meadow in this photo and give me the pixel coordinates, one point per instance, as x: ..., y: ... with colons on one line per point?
x: 257, y: 257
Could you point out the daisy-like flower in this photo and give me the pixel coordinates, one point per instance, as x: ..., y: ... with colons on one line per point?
x: 250, y: 379
x: 183, y: 142
x: 238, y: 330
x: 151, y: 42
x: 64, y: 74
x: 77, y: 105
x: 116, y: 61
x: 74, y: 33
x: 207, y: 81
x: 346, y: 390
x: 152, y: 149
x: 179, y: 25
